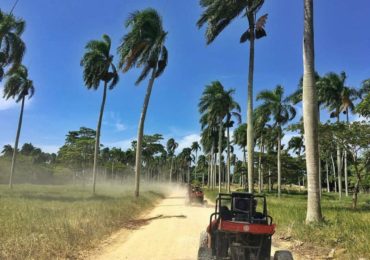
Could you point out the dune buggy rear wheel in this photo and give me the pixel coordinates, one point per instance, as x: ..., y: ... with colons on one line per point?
x: 283, y: 255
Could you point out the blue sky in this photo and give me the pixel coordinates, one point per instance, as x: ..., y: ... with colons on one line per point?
x: 57, y: 32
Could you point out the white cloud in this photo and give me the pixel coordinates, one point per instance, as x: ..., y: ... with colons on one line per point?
x: 48, y: 148
x: 187, y: 140
x: 123, y: 144
x: 115, y: 121
x: 7, y: 104
x: 120, y: 127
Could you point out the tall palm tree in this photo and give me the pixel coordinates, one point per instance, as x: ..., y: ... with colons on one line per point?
x: 281, y: 112
x: 97, y: 64
x: 240, y: 139
x: 12, y: 48
x: 233, y: 112
x: 220, y: 13
x: 171, y: 148
x: 310, y: 117
x: 143, y: 46
x: 195, y: 147
x: 261, y: 117
x: 18, y: 86
x: 348, y: 96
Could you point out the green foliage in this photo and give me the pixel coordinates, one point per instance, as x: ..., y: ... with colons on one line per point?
x: 17, y: 84
x: 143, y: 46
x: 12, y: 48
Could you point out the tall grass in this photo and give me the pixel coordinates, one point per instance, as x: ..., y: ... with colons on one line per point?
x: 343, y: 228
x: 49, y: 222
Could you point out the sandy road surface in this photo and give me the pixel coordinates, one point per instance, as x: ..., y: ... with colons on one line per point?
x: 173, y: 236
x: 169, y: 232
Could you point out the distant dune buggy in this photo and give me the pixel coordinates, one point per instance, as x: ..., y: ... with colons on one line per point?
x: 238, y: 231
x: 195, y: 194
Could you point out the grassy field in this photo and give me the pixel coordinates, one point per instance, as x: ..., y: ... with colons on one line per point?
x: 344, y: 229
x: 49, y: 222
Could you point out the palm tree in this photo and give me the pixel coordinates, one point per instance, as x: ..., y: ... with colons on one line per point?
x: 240, y: 139
x: 215, y: 105
x: 339, y: 98
x: 282, y: 112
x: 171, y: 148
x: 233, y: 111
x: 143, y: 46
x: 261, y: 117
x: 195, y: 147
x: 12, y: 48
x: 310, y: 117
x: 296, y: 144
x: 98, y: 66
x: 18, y: 86
x: 218, y: 14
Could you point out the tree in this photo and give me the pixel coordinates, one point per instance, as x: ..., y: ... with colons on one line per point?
x: 338, y: 98
x: 310, y: 117
x: 18, y: 86
x: 215, y: 105
x: 220, y: 13
x: 354, y: 139
x: 195, y: 147
x: 98, y: 66
x: 171, y: 148
x: 240, y: 139
x: 143, y: 46
x: 281, y: 112
x: 7, y: 150
x: 12, y: 48
x: 363, y: 108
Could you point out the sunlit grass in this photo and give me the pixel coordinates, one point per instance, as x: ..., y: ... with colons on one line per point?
x: 48, y: 222
x: 343, y: 228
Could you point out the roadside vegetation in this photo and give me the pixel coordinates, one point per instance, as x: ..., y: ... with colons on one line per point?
x: 57, y: 222
x: 344, y: 230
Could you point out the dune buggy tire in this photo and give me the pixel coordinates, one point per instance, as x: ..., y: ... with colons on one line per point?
x: 203, y: 240
x: 283, y: 255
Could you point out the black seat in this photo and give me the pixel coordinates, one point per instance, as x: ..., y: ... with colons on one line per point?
x: 225, y: 213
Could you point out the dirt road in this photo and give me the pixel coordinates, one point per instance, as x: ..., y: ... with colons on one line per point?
x: 169, y: 232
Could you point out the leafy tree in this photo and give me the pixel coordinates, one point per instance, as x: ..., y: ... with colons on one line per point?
x: 18, y: 86
x: 363, y: 108
x: 218, y: 14
x: 354, y: 139
x: 143, y: 46
x: 97, y: 64
x: 27, y: 149
x: 281, y: 112
x: 310, y: 117
x: 12, y: 48
x: 7, y: 150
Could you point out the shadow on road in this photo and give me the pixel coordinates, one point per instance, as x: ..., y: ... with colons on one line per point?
x: 135, y: 224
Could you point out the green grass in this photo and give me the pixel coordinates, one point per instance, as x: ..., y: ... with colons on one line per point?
x: 49, y: 222
x: 343, y: 228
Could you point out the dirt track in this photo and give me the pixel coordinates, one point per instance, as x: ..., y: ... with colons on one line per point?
x: 169, y: 232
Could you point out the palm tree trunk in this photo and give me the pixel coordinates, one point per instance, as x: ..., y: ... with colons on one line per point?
x: 219, y: 154
x: 345, y: 161
x: 327, y: 176
x: 335, y: 177
x: 245, y: 166
x: 250, y: 128
x: 16, y: 144
x: 97, y: 138
x: 310, y: 116
x: 141, y: 132
x: 228, y: 159
x: 339, y: 165
x: 279, y: 161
